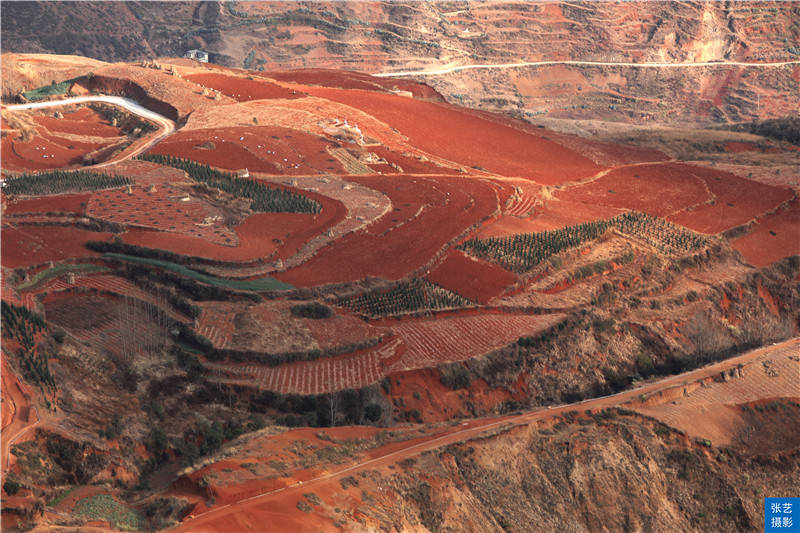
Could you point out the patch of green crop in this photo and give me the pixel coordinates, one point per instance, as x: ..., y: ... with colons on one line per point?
x: 104, y: 507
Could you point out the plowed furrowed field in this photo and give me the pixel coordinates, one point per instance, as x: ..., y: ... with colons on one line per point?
x: 420, y: 343
x: 701, y: 412
x: 430, y: 342
x: 166, y: 209
x: 436, y: 209
x: 112, y: 284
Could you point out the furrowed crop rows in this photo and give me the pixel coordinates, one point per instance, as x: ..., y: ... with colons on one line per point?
x: 407, y: 297
x: 59, y: 181
x: 265, y: 199
x: 520, y: 253
x: 431, y: 342
x: 312, y: 377
x: 116, y: 285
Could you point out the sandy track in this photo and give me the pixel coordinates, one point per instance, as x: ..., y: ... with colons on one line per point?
x: 19, y: 415
x: 456, y: 68
x: 218, y: 518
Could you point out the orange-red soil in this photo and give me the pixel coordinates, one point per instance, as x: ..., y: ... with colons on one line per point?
x: 476, y: 280
x: 467, y: 139
x: 774, y: 237
x: 30, y: 245
x: 737, y: 201
x: 352, y: 80
x: 268, y: 149
x: 63, y: 203
x: 243, y: 89
x: 83, y: 121
x: 259, y: 235
x: 658, y: 189
x: 440, y: 209
x: 163, y: 210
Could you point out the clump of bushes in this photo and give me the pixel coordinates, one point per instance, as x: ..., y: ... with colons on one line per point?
x: 455, y: 376
x: 314, y: 310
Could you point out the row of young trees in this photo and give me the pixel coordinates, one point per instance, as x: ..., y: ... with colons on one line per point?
x: 406, y: 297
x: 59, y: 181
x: 264, y: 198
x: 520, y: 253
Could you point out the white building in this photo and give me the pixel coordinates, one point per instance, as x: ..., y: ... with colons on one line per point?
x: 199, y: 55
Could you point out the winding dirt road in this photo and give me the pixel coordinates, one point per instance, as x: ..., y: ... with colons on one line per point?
x: 456, y: 68
x: 166, y: 126
x: 219, y: 518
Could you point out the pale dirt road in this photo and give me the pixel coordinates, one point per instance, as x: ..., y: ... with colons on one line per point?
x: 166, y: 126
x: 456, y: 68
x: 23, y: 415
x: 216, y: 518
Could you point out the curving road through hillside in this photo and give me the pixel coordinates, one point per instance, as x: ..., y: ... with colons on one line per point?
x: 456, y: 68
x: 137, y: 147
x: 209, y: 520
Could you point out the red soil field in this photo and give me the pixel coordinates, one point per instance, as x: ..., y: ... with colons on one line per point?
x: 444, y: 339
x: 428, y: 212
x: 62, y: 203
x: 468, y: 140
x: 37, y: 154
x: 242, y: 89
x: 476, y: 280
x: 259, y: 235
x: 83, y: 121
x: 761, y: 248
x: 31, y: 245
x: 654, y: 189
x: 108, y: 283
x: 348, y: 371
x: 216, y: 322
x: 353, y: 80
x: 556, y: 214
x: 738, y: 200
x: 268, y: 149
x: 162, y: 210
x: 46, y: 150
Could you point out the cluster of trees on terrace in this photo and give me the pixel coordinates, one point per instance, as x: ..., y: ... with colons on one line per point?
x: 520, y: 253
x: 264, y: 198
x: 59, y: 181
x: 407, y: 297
x: 22, y: 325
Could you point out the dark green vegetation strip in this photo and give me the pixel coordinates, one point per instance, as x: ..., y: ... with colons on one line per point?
x: 407, y: 297
x: 782, y: 129
x: 46, y: 275
x: 265, y: 199
x: 262, y: 284
x: 53, y: 89
x: 520, y: 253
x: 59, y: 181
